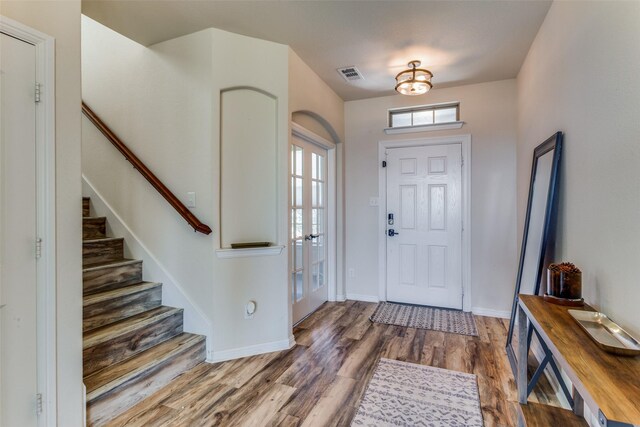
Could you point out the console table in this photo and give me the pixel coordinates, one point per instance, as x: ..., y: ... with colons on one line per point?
x: 608, y: 384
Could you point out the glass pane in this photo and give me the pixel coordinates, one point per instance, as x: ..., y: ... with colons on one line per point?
x: 321, y: 270
x: 314, y: 277
x: 423, y: 117
x: 320, y: 194
x: 314, y: 221
x: 314, y: 193
x: 292, y: 255
x: 293, y: 223
x: 298, y: 199
x: 298, y: 161
x: 319, y: 221
x: 321, y: 167
x: 298, y: 254
x: 320, y: 248
x: 400, y: 119
x: 314, y: 166
x: 446, y: 115
x: 299, y: 287
x: 293, y: 191
x: 314, y: 251
x: 298, y: 223
x: 293, y: 160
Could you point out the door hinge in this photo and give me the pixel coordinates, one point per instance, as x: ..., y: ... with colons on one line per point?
x: 38, y: 403
x: 37, y: 92
x: 461, y: 161
x: 38, y: 248
x: 384, y: 163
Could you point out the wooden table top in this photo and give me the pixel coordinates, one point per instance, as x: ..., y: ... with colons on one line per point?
x: 605, y: 381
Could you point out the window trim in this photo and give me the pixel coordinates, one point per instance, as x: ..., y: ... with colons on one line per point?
x: 423, y: 128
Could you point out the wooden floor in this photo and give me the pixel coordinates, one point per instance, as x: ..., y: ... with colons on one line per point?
x: 321, y: 380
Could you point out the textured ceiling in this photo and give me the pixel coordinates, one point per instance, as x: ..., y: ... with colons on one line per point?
x: 461, y: 42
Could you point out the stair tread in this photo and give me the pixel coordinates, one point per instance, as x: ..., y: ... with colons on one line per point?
x: 132, y: 345
x: 112, y: 376
x: 108, y: 332
x: 112, y: 263
x: 101, y: 239
x: 119, y: 292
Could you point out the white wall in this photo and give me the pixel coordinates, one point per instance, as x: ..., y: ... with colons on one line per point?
x: 489, y: 113
x: 579, y: 77
x: 309, y: 93
x: 164, y: 102
x: 61, y: 19
x: 263, y: 279
x: 315, y: 106
x: 121, y: 80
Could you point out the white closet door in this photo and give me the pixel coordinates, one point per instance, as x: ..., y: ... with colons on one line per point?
x: 18, y: 345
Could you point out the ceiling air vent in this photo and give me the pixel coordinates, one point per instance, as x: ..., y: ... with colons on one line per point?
x: 350, y: 74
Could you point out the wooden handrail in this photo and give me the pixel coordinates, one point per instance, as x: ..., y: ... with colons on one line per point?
x: 146, y: 173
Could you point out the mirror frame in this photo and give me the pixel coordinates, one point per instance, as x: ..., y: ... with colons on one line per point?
x: 548, y: 233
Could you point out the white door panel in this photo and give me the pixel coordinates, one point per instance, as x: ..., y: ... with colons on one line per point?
x: 424, y: 251
x: 308, y: 235
x: 18, y: 328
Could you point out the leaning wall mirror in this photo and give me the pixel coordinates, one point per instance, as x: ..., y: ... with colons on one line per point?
x: 539, y: 229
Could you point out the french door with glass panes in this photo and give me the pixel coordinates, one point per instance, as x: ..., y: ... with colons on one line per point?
x: 308, y: 236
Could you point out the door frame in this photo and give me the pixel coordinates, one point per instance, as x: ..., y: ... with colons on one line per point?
x: 465, y: 144
x: 45, y: 217
x: 332, y: 213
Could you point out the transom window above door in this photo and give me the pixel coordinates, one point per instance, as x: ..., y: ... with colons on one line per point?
x: 424, y: 118
x: 424, y: 115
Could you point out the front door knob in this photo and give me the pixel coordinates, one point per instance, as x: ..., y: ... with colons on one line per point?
x: 391, y: 232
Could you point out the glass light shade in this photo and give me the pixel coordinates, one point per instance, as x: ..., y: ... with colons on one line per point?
x: 414, y: 81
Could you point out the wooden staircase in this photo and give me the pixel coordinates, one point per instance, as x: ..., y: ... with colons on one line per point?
x: 132, y: 345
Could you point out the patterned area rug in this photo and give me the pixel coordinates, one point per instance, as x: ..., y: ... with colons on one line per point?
x: 406, y: 394
x: 414, y: 316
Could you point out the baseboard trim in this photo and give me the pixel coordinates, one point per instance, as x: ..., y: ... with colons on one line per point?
x: 341, y: 298
x: 252, y: 350
x: 501, y: 314
x: 365, y: 298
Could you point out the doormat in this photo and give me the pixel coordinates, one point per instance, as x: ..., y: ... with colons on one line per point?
x: 421, y: 317
x: 407, y: 394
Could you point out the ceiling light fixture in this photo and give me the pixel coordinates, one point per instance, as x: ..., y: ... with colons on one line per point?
x: 414, y: 81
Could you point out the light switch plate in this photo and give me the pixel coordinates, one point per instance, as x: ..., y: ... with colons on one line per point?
x: 191, y: 199
x: 374, y: 201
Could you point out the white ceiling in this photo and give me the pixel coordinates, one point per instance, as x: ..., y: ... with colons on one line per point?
x: 461, y: 42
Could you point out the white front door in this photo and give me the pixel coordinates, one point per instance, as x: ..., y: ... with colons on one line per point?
x: 18, y: 327
x: 308, y: 234
x: 424, y: 225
